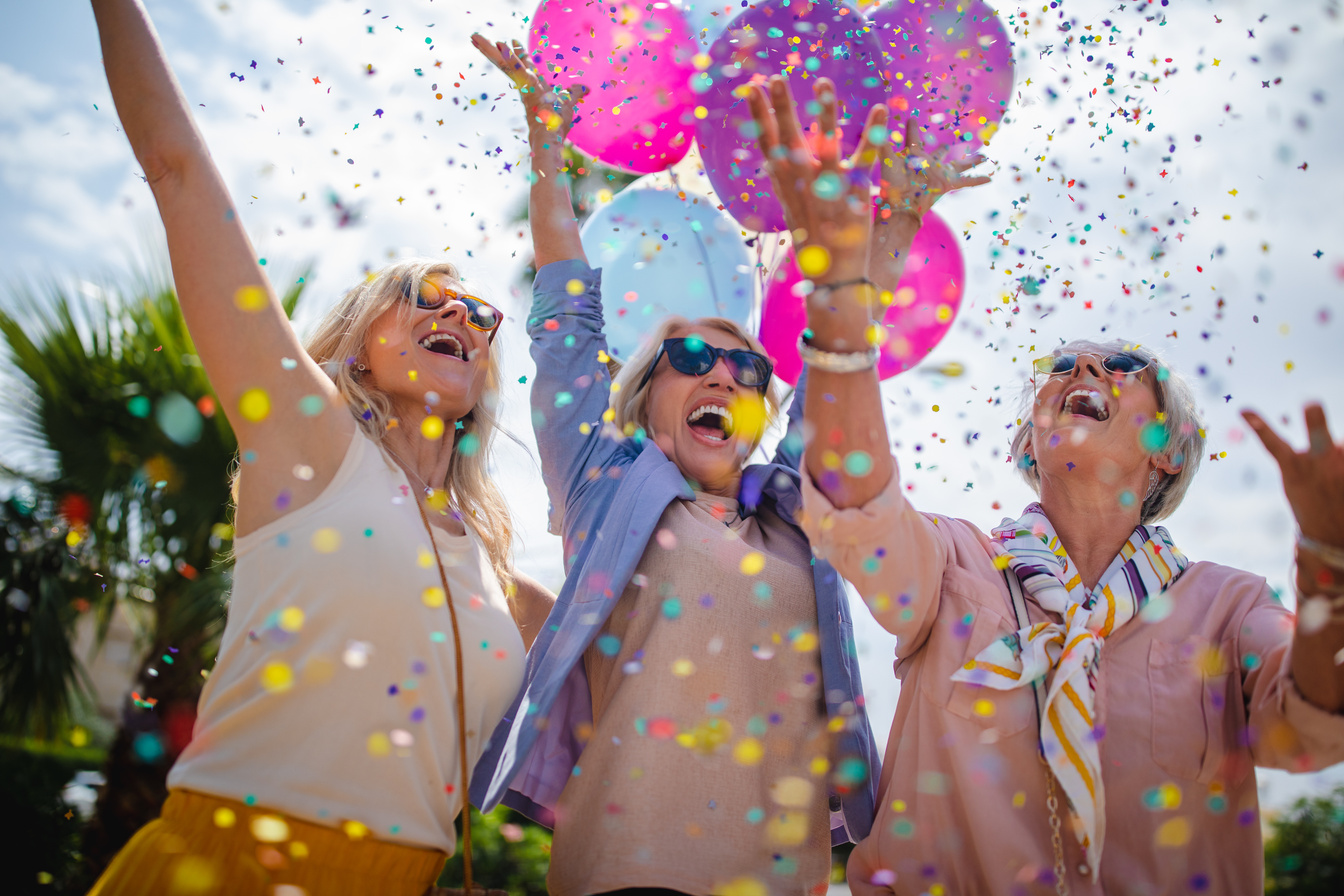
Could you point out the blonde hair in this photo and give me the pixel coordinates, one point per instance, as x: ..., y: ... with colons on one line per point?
x: 631, y: 406
x: 1179, y: 415
x: 337, y: 345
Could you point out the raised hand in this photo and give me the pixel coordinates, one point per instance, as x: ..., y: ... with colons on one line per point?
x: 1313, y: 480
x: 916, y: 176
x: 826, y: 199
x: 549, y: 109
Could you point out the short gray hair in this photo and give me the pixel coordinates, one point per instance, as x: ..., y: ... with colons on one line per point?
x: 630, y: 406
x: 1176, y: 411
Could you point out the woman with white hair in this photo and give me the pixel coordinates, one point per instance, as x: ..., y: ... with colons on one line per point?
x: 369, y: 647
x: 694, y: 695
x: 1081, y: 705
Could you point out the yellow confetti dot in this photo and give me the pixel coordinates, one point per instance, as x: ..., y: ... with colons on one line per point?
x: 72, y: 538
x: 1001, y: 561
x: 298, y: 850
x: 935, y: 407
x: 741, y: 886
x: 433, y: 596
x: 1174, y: 833
x: 1019, y: 799
x: 574, y: 287
x: 898, y: 805
x: 326, y: 540
x: 792, y: 792
x: 291, y: 619
x: 277, y: 677
x: 683, y: 668
x: 254, y: 405
x: 224, y: 817
x: 752, y: 563
x: 814, y: 261
x: 193, y: 876
x: 1170, y: 795
x: 787, y: 828
x: 378, y: 744
x: 79, y: 736
x: 701, y: 112
x: 250, y: 298
x: 984, y: 707
x: 355, y: 830
x: 432, y: 428
x: 748, y: 751
x: 269, y: 828
x: 819, y: 765
x: 748, y: 416
x: 425, y: 558
x: 437, y: 500
x: 806, y: 642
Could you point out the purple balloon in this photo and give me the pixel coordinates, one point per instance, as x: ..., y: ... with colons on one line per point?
x: 805, y: 39
x: 952, y: 70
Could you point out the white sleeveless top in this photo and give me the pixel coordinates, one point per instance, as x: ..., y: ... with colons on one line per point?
x: 334, y: 696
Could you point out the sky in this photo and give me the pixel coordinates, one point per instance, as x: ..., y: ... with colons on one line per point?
x: 1189, y: 204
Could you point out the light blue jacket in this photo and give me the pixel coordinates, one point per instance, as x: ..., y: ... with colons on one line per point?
x: 607, y: 494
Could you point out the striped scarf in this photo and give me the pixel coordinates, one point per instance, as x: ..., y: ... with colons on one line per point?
x: 1146, y: 565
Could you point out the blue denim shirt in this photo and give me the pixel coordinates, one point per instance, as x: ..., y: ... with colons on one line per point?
x: 607, y: 494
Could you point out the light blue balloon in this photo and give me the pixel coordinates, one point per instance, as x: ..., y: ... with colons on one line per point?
x: 707, y: 18
x: 663, y: 255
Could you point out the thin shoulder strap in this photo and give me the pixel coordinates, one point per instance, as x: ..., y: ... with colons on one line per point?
x: 1024, y: 622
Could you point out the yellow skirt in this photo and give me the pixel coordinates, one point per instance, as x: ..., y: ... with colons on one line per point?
x: 204, y: 845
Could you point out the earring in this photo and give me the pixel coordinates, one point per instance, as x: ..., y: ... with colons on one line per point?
x: 361, y: 368
x: 1152, y: 484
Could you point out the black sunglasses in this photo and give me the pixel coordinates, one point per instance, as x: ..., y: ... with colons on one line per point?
x: 1123, y: 363
x: 695, y: 357
x: 481, y: 315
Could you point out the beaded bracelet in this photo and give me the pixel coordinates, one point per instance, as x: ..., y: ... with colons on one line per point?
x: 831, y: 287
x: 1328, y: 554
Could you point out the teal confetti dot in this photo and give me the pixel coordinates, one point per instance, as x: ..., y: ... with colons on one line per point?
x: 178, y: 418
x: 368, y: 533
x: 311, y: 405
x: 903, y: 828
x: 858, y: 463
x: 1153, y: 437
x: 672, y: 608
x: 755, y: 815
x: 1126, y: 498
x: 761, y: 590
x: 878, y: 134
x: 438, y: 637
x: 694, y: 343
x: 609, y: 645
x: 469, y: 444
x: 139, y: 406
x: 827, y: 185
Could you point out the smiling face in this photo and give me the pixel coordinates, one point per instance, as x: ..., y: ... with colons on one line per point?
x: 412, y: 352
x: 1092, y: 425
x: 693, y: 420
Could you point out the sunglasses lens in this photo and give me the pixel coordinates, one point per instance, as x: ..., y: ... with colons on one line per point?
x: 1064, y: 363
x: 480, y: 315
x: 1124, y: 363
x: 430, y: 296
x: 749, y: 368
x: 691, y: 358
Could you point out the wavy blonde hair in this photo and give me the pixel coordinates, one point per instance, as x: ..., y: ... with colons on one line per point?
x: 631, y: 406
x: 337, y: 345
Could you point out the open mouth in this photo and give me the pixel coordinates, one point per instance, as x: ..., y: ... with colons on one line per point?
x: 711, y: 421
x: 1086, y: 402
x: 444, y: 344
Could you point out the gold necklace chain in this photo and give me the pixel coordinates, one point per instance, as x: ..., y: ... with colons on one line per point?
x: 1052, y: 803
x: 461, y: 704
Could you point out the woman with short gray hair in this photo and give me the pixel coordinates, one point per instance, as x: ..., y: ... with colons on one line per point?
x: 1081, y: 705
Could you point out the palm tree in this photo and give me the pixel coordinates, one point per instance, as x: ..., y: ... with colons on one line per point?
x: 114, y: 427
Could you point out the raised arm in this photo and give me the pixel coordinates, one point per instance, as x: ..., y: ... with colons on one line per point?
x: 1313, y: 481
x: 235, y: 319
x: 827, y: 202
x: 549, y: 112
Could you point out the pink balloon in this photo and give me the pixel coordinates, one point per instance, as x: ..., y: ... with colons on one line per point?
x: 635, y: 59
x: 924, y: 304
x: 951, y: 65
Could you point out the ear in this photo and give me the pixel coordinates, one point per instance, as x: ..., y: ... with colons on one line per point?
x: 1166, y: 464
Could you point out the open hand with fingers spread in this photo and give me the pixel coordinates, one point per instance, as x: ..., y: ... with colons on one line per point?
x: 913, y: 177
x: 549, y: 109
x: 827, y: 200
x: 1313, y: 480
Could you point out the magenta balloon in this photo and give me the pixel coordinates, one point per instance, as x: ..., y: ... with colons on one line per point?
x: 806, y: 39
x: 635, y: 59
x: 924, y: 304
x: 954, y: 70
x: 783, y: 317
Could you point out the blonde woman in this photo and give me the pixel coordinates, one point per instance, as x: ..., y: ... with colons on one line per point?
x: 330, y: 750
x: 673, y: 728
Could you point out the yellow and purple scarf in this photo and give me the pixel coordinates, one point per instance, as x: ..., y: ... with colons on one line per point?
x: 1064, y: 655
